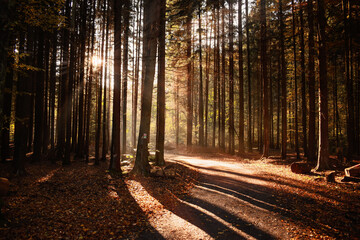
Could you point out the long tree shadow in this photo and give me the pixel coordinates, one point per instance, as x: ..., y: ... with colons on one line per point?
x: 77, y: 201
x: 268, y: 178
x: 216, y: 222
x: 306, y: 210
x: 333, y: 219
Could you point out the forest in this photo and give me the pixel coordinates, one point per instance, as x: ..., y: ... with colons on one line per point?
x: 139, y: 105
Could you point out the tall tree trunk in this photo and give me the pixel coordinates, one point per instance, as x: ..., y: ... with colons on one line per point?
x: 241, y: 81
x: 231, y: 82
x: 349, y: 82
x: 151, y: 16
x: 303, y: 82
x: 125, y: 71
x: 265, y: 79
x: 39, y: 100
x: 83, y: 34
x: 201, y: 94
x: 216, y: 72
x: 61, y: 123
x: 283, y: 85
x: 160, y: 120
x: 248, y: 75
x: 311, y: 80
x: 69, y: 86
x: 207, y: 72
x: 53, y: 80
x: 7, y: 99
x: 323, y: 157
x: 22, y: 113
x: 115, y: 158
x: 136, y: 80
x: 223, y: 82
x: 189, y: 108
x: 105, y: 62
x: 295, y: 83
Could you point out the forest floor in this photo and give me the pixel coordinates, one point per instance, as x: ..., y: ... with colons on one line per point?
x: 211, y: 196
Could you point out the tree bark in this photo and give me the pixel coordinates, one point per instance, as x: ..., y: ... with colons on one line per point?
x: 311, y: 80
x: 283, y: 85
x: 115, y: 163
x: 241, y: 82
x: 151, y: 16
x: 189, y: 108
x: 323, y: 157
x: 265, y: 79
x: 160, y: 120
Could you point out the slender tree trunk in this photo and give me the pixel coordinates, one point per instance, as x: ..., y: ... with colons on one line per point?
x: 349, y: 83
x: 151, y: 16
x: 69, y: 86
x: 311, y: 80
x: 39, y: 100
x: 62, y: 97
x: 189, y: 84
x: 105, y: 62
x: 223, y: 81
x: 22, y: 113
x: 231, y: 82
x: 283, y: 85
x: 201, y: 94
x: 216, y: 72
x: 83, y: 35
x: 89, y: 87
x: 7, y: 99
x: 207, y: 83
x: 323, y: 157
x: 125, y: 71
x: 177, y: 112
x: 115, y: 163
x: 265, y: 79
x: 303, y: 81
x: 248, y: 75
x: 136, y: 84
x: 295, y: 82
x: 241, y: 82
x: 160, y: 121
x: 53, y: 80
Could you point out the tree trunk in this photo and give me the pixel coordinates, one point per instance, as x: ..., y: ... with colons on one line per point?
x: 303, y: 82
x: 115, y: 163
x: 323, y: 157
x: 283, y: 85
x: 7, y: 99
x: 223, y: 81
x: 151, y: 16
x: 201, y: 96
x: 189, y: 108
x: 311, y: 80
x: 231, y: 82
x: 125, y: 71
x: 105, y: 118
x: 349, y: 82
x: 83, y: 34
x: 248, y: 75
x: 136, y: 80
x: 39, y: 100
x: 295, y: 83
x: 241, y: 82
x: 160, y: 120
x: 22, y: 113
x: 265, y: 79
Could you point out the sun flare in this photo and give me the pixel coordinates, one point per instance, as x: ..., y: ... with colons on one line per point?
x: 96, y: 61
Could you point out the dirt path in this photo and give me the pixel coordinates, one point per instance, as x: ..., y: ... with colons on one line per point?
x: 235, y: 200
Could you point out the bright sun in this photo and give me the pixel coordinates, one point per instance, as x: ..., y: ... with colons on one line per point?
x: 96, y: 61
